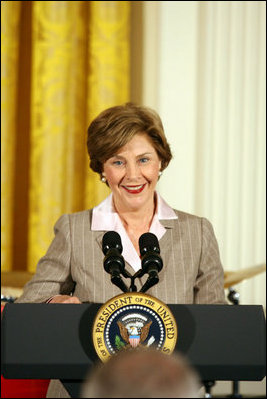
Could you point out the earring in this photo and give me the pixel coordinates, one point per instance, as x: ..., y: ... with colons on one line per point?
x: 103, y: 179
x: 160, y: 173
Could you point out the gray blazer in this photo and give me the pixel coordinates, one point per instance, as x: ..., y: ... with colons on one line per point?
x: 192, y: 270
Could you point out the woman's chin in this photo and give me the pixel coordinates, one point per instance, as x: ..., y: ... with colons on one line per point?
x: 136, y: 202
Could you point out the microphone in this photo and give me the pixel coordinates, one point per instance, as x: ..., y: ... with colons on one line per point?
x: 113, y: 261
x: 151, y: 259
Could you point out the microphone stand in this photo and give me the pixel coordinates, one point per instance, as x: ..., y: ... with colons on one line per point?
x: 148, y: 284
x: 116, y: 280
x: 133, y: 287
x: 233, y: 297
x: 208, y: 385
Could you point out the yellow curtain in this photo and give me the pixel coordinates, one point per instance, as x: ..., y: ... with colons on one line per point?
x: 108, y: 81
x: 79, y: 65
x: 10, y: 15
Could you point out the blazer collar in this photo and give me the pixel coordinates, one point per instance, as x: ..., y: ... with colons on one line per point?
x: 104, y: 217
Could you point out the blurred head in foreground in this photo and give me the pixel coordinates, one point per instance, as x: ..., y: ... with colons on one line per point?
x: 142, y: 373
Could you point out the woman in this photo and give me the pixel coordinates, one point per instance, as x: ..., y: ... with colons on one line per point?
x: 128, y: 149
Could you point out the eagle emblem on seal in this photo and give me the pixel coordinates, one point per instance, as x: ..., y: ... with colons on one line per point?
x: 134, y: 329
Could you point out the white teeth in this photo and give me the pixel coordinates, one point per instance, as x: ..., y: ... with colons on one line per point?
x: 133, y: 188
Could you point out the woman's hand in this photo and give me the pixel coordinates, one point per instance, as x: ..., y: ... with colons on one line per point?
x: 65, y: 299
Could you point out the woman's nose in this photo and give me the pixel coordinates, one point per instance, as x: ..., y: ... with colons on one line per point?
x: 132, y: 171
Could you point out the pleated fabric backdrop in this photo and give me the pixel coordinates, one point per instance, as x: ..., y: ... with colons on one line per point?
x: 62, y: 64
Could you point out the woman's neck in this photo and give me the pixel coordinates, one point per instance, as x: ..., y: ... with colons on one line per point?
x: 137, y: 219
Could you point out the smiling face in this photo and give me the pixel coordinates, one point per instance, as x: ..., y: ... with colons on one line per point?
x: 132, y: 174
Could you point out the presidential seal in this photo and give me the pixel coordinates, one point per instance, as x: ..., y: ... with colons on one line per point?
x: 132, y: 320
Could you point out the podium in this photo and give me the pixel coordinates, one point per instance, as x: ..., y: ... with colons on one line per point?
x: 42, y: 341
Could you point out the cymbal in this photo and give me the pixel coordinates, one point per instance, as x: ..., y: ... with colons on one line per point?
x: 11, y: 291
x: 15, y: 279
x: 232, y: 278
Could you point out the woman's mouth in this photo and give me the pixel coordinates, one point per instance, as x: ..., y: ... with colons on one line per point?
x: 134, y: 189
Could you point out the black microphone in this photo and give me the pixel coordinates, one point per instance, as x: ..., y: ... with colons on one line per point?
x: 151, y: 259
x: 113, y: 261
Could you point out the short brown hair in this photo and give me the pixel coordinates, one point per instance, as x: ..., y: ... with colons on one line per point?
x: 116, y: 126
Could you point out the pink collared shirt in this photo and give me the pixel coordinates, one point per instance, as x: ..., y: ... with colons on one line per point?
x: 104, y: 217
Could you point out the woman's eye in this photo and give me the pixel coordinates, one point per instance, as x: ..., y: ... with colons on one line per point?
x: 143, y: 160
x: 118, y: 163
